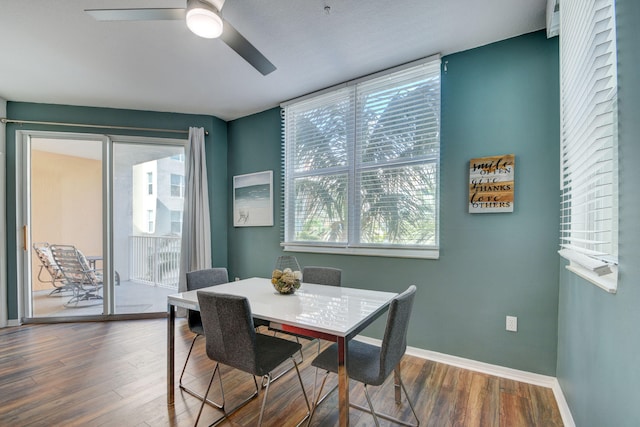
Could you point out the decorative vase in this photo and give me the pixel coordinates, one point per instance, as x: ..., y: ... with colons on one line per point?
x: 286, y: 275
x: 287, y: 261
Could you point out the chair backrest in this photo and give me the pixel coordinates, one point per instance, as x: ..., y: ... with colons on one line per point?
x: 199, y: 279
x: 322, y: 275
x: 228, y: 328
x: 43, y: 251
x: 74, y: 266
x: 394, y: 341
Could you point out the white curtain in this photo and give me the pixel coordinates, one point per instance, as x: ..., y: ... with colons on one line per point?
x: 196, y: 226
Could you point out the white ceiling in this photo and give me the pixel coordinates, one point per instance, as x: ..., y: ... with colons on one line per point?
x: 53, y: 52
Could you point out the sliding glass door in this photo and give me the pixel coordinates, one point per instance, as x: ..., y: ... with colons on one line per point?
x: 64, y: 202
x: 116, y: 203
x: 148, y: 197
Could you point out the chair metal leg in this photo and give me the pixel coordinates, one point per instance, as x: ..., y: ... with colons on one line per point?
x: 304, y: 393
x: 317, y: 399
x: 301, y: 355
x: 226, y: 413
x: 205, y: 396
x: 266, y: 393
x: 60, y: 289
x: 373, y: 413
x: 409, y: 401
x: 377, y: 415
x: 238, y: 406
x: 191, y: 391
x: 264, y: 399
x: 80, y: 293
x: 370, y: 409
x: 276, y: 377
x: 396, y: 383
x: 193, y: 342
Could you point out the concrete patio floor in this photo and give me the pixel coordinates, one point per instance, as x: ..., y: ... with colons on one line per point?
x: 130, y: 298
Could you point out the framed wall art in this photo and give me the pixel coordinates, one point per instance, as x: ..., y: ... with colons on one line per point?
x: 253, y: 199
x: 491, y: 184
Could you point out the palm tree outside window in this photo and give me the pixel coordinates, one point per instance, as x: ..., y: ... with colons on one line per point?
x: 361, y: 166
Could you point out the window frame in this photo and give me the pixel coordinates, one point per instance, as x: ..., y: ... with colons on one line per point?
x: 150, y: 221
x: 354, y: 166
x: 150, y: 183
x: 178, y: 222
x: 589, y: 144
x: 180, y: 186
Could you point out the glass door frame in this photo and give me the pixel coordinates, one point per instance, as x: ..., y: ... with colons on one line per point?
x: 23, y: 215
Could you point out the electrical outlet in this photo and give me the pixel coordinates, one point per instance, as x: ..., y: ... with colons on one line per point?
x: 512, y: 323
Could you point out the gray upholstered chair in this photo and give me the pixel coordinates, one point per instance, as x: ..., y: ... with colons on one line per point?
x: 370, y: 364
x: 197, y: 280
x: 231, y: 339
x: 322, y: 275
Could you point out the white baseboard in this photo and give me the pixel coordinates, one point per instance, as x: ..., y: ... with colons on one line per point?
x: 496, y: 370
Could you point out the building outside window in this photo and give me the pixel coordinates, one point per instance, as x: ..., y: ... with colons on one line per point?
x: 176, y: 222
x: 150, y: 221
x: 177, y: 185
x: 150, y: 183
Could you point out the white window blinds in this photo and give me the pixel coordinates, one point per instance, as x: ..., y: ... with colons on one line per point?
x: 361, y: 165
x: 589, y: 167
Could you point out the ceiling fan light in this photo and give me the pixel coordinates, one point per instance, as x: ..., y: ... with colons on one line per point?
x: 203, y: 20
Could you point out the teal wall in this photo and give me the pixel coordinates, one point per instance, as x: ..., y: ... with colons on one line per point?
x: 254, y: 146
x: 215, y: 146
x: 497, y: 99
x: 598, y: 338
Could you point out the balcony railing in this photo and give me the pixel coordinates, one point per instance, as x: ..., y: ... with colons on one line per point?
x: 155, y: 260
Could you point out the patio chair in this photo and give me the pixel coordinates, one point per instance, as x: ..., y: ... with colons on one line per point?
x: 370, y: 364
x: 49, y: 271
x: 84, y: 281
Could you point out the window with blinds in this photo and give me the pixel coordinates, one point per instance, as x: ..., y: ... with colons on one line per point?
x: 589, y: 155
x: 361, y: 165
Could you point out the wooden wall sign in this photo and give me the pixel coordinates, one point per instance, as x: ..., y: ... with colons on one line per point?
x: 491, y: 182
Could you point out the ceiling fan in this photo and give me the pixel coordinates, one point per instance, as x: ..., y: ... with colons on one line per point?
x: 203, y: 19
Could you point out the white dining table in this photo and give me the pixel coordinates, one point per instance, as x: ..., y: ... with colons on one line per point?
x: 333, y: 313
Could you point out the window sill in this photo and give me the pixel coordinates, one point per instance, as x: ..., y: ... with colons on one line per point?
x: 383, y: 252
x: 601, y: 273
x: 608, y: 282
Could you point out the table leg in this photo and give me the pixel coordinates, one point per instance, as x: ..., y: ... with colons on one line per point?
x: 171, y: 322
x: 343, y: 382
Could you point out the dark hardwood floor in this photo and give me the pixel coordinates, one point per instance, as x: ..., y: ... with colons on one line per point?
x: 114, y: 374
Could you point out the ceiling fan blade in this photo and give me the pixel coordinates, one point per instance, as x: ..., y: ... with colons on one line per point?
x: 136, y: 14
x: 230, y: 35
x: 245, y: 49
